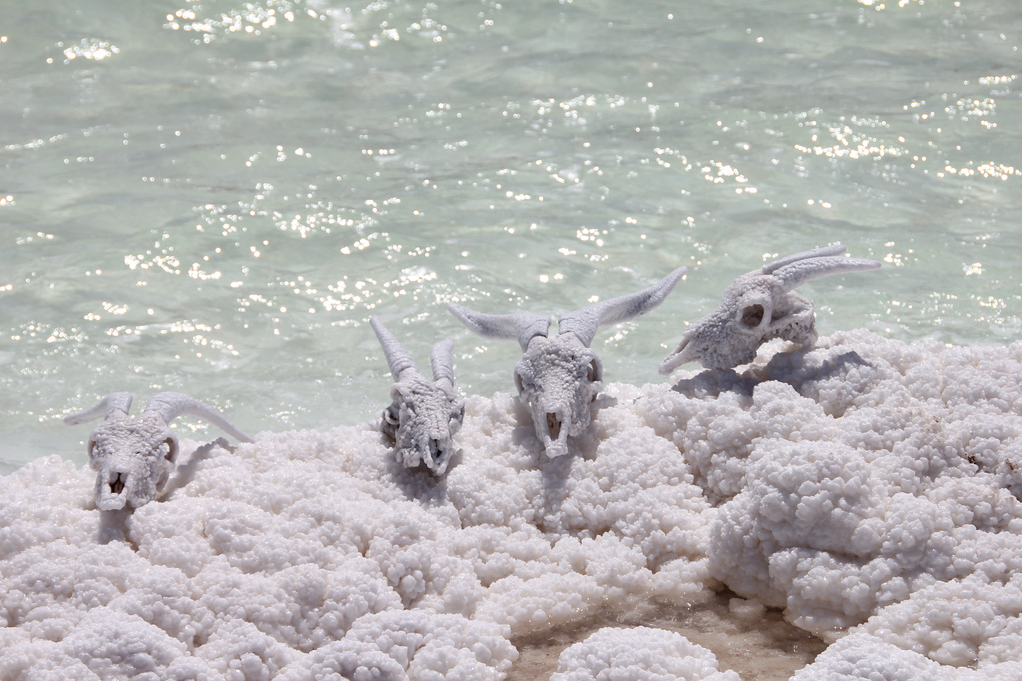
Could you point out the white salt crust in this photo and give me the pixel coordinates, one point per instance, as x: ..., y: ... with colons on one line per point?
x: 640, y: 653
x: 868, y: 487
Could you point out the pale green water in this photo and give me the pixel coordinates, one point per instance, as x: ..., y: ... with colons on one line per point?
x: 213, y: 197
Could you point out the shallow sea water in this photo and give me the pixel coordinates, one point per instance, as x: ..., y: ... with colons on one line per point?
x: 213, y: 197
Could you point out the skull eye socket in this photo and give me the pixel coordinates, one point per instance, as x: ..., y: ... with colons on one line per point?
x: 390, y: 423
x: 171, y: 448
x: 752, y: 316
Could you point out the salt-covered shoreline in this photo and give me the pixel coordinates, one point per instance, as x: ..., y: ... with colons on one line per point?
x: 867, y: 482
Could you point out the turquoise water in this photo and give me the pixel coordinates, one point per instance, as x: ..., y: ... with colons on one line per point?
x: 213, y: 197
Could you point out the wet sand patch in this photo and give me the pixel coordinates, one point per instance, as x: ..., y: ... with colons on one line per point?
x: 746, y: 637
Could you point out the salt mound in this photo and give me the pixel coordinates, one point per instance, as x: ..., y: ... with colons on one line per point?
x: 639, y: 654
x: 866, y: 482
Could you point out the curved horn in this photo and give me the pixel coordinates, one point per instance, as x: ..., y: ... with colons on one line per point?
x: 442, y: 362
x: 109, y: 405
x: 397, y: 357
x: 797, y: 273
x: 172, y: 405
x: 836, y: 249
x: 521, y: 325
x: 584, y: 322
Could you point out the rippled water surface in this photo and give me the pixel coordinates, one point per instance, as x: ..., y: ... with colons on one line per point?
x: 212, y: 197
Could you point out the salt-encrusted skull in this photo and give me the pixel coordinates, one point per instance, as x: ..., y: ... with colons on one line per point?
x: 560, y: 377
x: 760, y: 306
x: 135, y: 455
x: 425, y: 415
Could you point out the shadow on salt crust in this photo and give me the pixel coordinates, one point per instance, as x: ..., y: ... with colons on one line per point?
x: 868, y: 487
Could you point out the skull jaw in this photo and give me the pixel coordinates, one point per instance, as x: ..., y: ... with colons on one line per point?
x: 687, y: 351
x: 740, y: 351
x: 432, y: 453
x: 436, y: 456
x: 553, y: 435
x: 561, y: 413
x: 553, y: 429
x: 128, y: 486
x: 438, y: 464
x: 112, y: 494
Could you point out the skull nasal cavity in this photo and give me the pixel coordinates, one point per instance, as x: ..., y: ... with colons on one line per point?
x: 117, y: 484
x: 753, y: 315
x: 553, y: 425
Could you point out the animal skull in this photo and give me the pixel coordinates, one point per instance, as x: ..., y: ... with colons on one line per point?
x: 425, y: 415
x: 760, y: 306
x: 134, y: 456
x: 559, y: 377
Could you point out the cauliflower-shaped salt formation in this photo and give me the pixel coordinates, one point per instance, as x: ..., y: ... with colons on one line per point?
x: 960, y: 630
x: 639, y: 654
x: 310, y: 553
x: 867, y: 486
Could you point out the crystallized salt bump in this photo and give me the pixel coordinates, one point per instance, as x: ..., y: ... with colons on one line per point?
x: 639, y: 654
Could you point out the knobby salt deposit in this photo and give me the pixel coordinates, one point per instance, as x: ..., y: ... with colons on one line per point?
x: 869, y: 487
